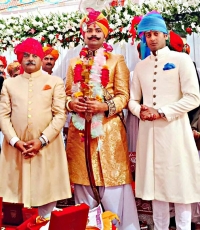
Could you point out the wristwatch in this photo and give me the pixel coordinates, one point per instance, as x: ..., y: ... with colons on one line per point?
x: 43, y: 142
x: 160, y: 112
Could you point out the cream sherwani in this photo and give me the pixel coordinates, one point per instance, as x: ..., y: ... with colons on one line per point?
x: 167, y: 165
x: 32, y: 104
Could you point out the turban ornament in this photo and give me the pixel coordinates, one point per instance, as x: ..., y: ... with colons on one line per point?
x: 48, y: 50
x: 94, y: 17
x: 30, y: 45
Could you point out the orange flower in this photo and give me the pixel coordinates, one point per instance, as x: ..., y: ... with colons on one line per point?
x: 46, y: 87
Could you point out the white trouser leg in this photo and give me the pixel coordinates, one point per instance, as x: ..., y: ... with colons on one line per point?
x: 117, y: 199
x: 46, y: 209
x: 183, y: 216
x: 160, y: 215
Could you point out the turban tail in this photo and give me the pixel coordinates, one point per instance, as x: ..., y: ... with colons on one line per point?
x: 50, y: 51
x: 95, y: 17
x: 30, y: 45
x: 3, y: 59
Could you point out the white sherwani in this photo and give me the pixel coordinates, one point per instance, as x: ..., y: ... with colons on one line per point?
x: 167, y: 164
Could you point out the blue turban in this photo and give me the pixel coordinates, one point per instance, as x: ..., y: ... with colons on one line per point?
x: 152, y: 21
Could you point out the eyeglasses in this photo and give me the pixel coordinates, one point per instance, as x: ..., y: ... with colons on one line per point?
x: 28, y: 55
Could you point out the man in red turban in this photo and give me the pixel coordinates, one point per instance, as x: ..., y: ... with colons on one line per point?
x: 50, y: 57
x: 98, y: 84
x: 32, y: 114
x: 3, y: 64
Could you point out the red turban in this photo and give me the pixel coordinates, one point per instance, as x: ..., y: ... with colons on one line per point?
x: 94, y: 17
x: 50, y: 50
x: 3, y: 59
x: 30, y: 45
x: 176, y: 42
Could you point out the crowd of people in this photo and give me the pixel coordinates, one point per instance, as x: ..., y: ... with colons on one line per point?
x: 37, y: 168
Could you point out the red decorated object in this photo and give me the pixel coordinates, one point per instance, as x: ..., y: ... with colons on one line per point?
x: 117, y: 3
x: 74, y: 217
x: 189, y: 30
x: 31, y: 224
x: 29, y: 212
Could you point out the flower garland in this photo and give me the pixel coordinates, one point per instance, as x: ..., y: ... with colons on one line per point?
x: 91, y: 75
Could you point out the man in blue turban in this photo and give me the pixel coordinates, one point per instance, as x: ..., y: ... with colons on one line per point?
x: 168, y: 166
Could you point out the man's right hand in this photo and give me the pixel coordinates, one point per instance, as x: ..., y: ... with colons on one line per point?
x: 78, y: 105
x: 21, y: 146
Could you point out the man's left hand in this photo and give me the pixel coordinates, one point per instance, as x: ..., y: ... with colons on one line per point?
x: 33, y: 148
x: 96, y: 106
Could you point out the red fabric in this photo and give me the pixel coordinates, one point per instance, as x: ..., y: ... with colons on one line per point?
x: 3, y: 59
x: 176, y: 42
x: 30, y: 224
x: 1, y: 213
x: 30, y: 45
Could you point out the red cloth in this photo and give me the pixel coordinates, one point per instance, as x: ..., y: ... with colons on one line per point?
x: 30, y: 45
x: 3, y: 59
x: 176, y: 42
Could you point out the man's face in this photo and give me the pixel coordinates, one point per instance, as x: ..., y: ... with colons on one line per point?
x: 155, y: 40
x: 31, y: 63
x: 1, y: 68
x: 94, y: 37
x: 16, y: 73
x: 48, y: 63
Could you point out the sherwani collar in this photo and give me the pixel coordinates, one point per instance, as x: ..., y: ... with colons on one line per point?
x: 32, y: 75
x: 161, y: 53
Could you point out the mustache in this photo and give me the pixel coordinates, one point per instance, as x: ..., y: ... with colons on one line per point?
x: 92, y: 37
x: 49, y: 64
x: 30, y: 63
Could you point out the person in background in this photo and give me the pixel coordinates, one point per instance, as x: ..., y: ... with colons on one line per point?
x: 3, y: 64
x: 13, y: 69
x: 110, y: 160
x: 50, y: 57
x: 33, y: 162
x: 168, y: 166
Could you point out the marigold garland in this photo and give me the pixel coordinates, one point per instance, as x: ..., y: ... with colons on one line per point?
x: 91, y: 75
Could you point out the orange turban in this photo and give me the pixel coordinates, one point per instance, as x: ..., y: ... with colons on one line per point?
x: 49, y: 50
x: 3, y: 59
x: 13, y: 67
x: 30, y: 45
x: 94, y: 17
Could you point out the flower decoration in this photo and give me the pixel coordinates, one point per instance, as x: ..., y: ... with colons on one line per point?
x: 91, y: 75
x: 169, y: 66
x: 63, y: 29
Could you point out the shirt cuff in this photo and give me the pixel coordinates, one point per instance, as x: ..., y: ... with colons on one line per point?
x: 14, y: 140
x: 45, y: 138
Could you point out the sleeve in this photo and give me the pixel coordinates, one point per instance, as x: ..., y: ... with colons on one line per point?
x: 135, y: 95
x: 189, y: 88
x: 121, y: 88
x: 58, y: 111
x: 69, y: 80
x: 5, y: 113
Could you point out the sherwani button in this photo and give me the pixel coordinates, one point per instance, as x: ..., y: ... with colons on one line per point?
x: 155, y: 73
x: 154, y: 88
x: 154, y: 80
x: 154, y: 103
x: 154, y: 95
x: 29, y: 115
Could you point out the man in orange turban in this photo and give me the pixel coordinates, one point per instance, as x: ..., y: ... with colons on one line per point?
x: 50, y: 57
x: 13, y: 69
x: 95, y: 69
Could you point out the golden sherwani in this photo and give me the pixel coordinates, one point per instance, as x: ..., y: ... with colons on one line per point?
x: 111, y: 162
x: 32, y: 104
